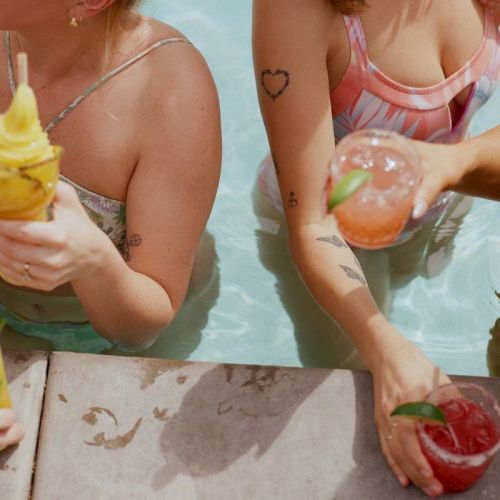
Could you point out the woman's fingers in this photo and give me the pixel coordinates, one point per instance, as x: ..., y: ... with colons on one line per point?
x: 11, y: 250
x: 33, y: 233
x: 397, y: 471
x: 406, y: 452
x: 7, y: 418
x: 11, y: 431
x: 11, y: 436
x: 427, y: 192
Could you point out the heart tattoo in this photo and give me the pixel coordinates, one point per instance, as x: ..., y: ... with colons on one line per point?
x: 275, y: 82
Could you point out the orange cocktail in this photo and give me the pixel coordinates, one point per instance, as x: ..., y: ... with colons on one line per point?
x: 375, y: 215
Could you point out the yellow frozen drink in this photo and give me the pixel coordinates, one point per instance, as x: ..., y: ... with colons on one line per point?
x: 29, y: 164
x: 4, y: 388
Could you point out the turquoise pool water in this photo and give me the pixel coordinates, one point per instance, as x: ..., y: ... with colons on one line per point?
x: 255, y: 310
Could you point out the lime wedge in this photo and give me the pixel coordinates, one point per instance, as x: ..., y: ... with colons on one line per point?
x: 347, y: 186
x: 420, y: 410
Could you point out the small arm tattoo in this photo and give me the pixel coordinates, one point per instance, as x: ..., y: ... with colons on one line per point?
x: 292, y: 201
x: 275, y: 163
x: 133, y: 241
x: 275, y: 82
x: 351, y: 273
x: 333, y: 240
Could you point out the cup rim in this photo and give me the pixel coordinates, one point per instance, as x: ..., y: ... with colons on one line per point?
x: 57, y: 150
x: 414, y: 161
x: 455, y: 458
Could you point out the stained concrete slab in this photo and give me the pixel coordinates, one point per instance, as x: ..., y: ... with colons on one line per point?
x: 26, y: 372
x: 155, y: 429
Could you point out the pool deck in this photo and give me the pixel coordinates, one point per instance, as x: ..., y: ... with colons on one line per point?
x: 136, y: 428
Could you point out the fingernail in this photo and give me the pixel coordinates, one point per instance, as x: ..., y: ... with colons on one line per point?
x: 403, y: 481
x: 426, y: 473
x: 419, y: 209
x: 433, y: 490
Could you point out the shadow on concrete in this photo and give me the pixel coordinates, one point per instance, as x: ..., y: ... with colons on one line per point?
x: 227, y: 413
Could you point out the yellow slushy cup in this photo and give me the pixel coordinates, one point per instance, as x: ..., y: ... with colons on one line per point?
x: 29, y: 164
x: 4, y: 388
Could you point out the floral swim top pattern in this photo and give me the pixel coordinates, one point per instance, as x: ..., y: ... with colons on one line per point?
x: 108, y: 214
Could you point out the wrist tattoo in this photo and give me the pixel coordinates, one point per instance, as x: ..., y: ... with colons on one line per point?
x: 333, y: 240
x: 351, y: 273
x: 275, y: 82
x: 275, y: 163
x: 133, y: 241
x: 292, y: 201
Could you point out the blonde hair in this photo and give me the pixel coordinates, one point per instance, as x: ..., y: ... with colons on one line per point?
x: 349, y: 7
x: 114, y: 16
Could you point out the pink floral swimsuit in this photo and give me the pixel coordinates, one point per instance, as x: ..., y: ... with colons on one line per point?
x: 366, y: 98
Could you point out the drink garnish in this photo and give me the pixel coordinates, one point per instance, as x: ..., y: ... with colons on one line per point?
x: 347, y: 186
x: 420, y: 410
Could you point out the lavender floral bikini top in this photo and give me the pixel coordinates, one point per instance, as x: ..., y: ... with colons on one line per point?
x: 107, y: 213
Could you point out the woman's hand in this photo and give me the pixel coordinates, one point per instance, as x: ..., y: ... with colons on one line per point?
x: 443, y: 167
x: 11, y: 431
x: 406, y: 375
x: 45, y: 255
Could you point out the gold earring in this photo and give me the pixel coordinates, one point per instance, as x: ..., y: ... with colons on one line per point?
x: 74, y: 22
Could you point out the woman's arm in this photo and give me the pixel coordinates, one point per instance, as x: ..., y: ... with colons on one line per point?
x: 169, y: 199
x: 470, y: 167
x: 291, y: 48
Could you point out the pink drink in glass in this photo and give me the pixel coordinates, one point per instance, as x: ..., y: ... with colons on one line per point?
x: 377, y: 213
x: 461, y: 451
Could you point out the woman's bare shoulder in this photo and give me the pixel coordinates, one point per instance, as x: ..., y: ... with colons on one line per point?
x: 172, y: 85
x: 171, y: 61
x: 173, y: 69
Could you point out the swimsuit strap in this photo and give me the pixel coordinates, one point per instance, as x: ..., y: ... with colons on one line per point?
x: 89, y: 90
x: 357, y: 40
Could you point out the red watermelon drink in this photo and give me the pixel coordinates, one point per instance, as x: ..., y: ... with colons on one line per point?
x: 461, y: 451
x: 375, y: 215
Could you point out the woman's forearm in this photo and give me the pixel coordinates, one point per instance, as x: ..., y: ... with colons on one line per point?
x: 334, y: 277
x: 482, y: 155
x: 122, y: 305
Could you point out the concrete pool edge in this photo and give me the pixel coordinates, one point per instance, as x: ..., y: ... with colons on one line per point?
x: 204, y: 430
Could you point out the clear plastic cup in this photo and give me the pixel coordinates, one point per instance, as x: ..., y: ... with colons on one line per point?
x: 377, y: 213
x: 461, y: 451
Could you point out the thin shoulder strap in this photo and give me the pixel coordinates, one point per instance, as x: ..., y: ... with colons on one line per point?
x: 89, y: 90
x: 357, y: 40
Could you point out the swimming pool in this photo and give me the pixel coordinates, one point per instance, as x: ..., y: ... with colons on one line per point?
x: 246, y: 315
x: 254, y: 308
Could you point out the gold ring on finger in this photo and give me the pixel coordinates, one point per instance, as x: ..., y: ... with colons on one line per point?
x: 25, y: 273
